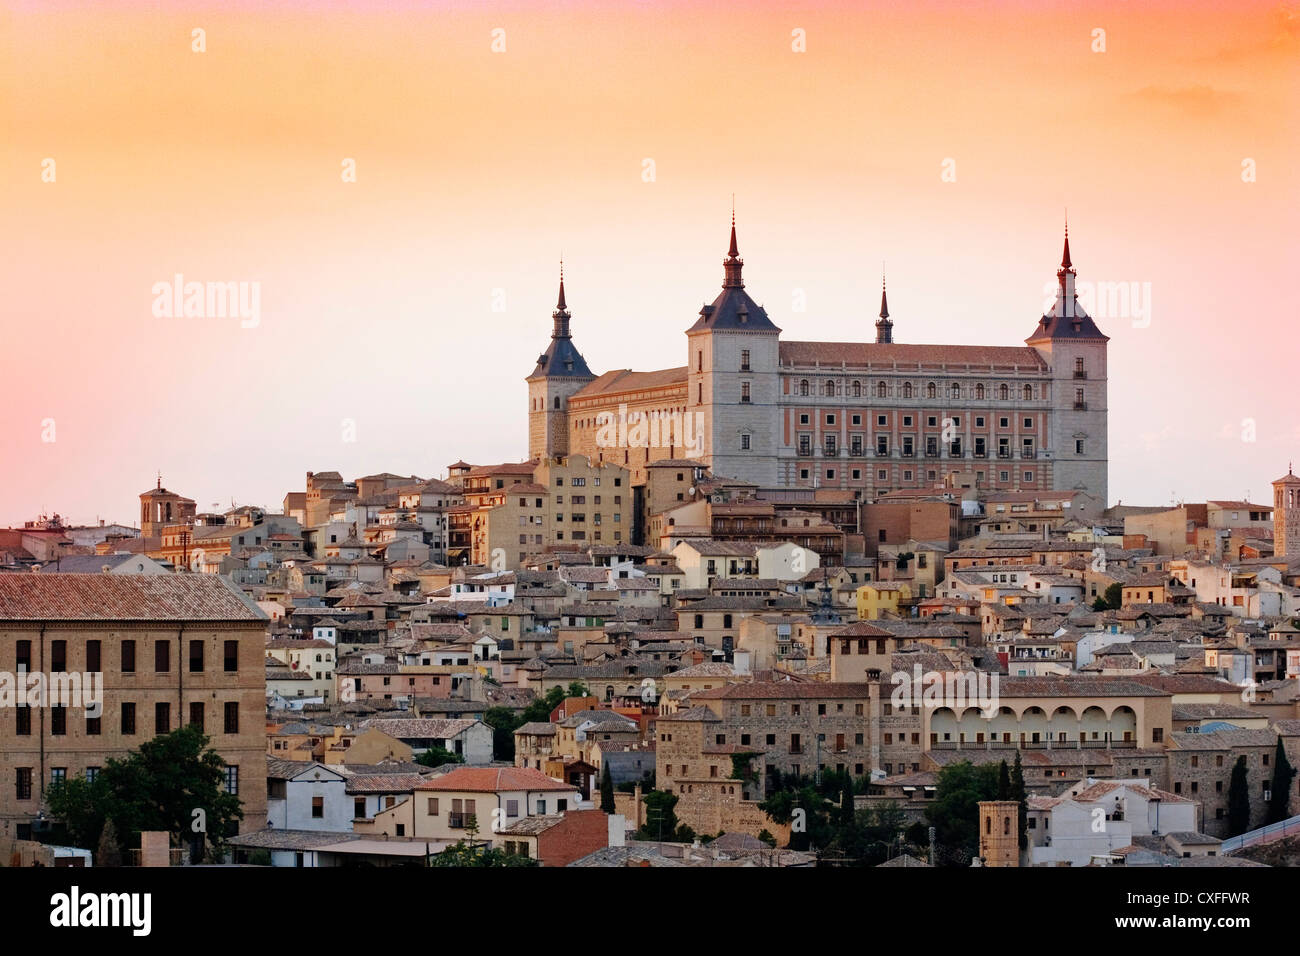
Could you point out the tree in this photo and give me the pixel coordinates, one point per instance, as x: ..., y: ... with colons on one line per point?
x: 1238, y: 799
x: 1020, y: 794
x: 660, y: 819
x: 463, y: 854
x: 577, y: 689
x: 766, y: 836
x: 1004, y: 780
x: 109, y: 851
x: 1114, y: 598
x: 607, y: 789
x: 847, y: 809
x: 539, y: 708
x: 436, y: 757
x: 504, y: 722
x: 1279, y: 804
x: 954, y: 814
x: 160, y: 786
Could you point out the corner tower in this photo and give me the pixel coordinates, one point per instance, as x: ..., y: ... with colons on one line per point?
x: 1075, y: 350
x: 561, y: 372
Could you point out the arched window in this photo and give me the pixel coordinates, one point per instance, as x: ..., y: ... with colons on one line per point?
x: 955, y: 390
x: 857, y: 389
x: 1006, y: 826
x: 1029, y: 393
x: 803, y: 386
x: 931, y: 391
x: 1004, y: 392
x: 882, y: 390
x: 979, y: 391
x: 907, y: 389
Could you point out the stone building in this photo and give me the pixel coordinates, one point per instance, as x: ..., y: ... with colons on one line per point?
x: 1286, y: 516
x: 172, y: 650
x: 868, y: 416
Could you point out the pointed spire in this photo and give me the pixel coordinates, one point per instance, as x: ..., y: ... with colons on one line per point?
x: 884, y: 301
x: 734, y: 251
x: 731, y: 265
x: 1065, y: 256
x: 884, y: 325
x: 560, y: 306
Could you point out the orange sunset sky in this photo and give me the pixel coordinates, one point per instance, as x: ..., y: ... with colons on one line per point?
x: 475, y: 169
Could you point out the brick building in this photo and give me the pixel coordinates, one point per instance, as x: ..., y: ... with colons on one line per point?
x: 172, y: 650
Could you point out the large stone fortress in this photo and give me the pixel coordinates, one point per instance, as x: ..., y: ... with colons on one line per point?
x: 874, y: 416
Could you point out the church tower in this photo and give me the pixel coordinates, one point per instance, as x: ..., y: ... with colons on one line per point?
x: 1075, y: 350
x: 733, y: 355
x: 561, y: 372
x: 1286, y: 516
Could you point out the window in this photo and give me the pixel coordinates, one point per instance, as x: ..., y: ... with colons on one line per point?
x: 744, y: 442
x: 58, y: 775
x: 162, y: 656
x: 1078, y: 446
x: 23, y: 719
x: 196, y: 657
x: 232, y: 781
x: 196, y: 714
x: 744, y: 392
x: 24, y: 790
x: 744, y: 360
x: 59, y: 656
x: 162, y: 717
x: 58, y: 721
x: 232, y: 656
x: 128, y: 657
x: 128, y: 718
x: 318, y: 808
x: 231, y: 710
x: 24, y: 656
x: 94, y: 653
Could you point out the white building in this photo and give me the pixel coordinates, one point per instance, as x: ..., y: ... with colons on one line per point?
x: 1094, y: 818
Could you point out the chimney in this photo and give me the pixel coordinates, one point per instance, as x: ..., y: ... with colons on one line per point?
x: 617, y: 829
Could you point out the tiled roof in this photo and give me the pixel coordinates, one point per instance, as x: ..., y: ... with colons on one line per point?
x: 784, y: 690
x: 123, y: 597
x: 494, y: 780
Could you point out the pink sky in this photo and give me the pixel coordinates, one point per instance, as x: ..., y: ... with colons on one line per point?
x: 476, y: 169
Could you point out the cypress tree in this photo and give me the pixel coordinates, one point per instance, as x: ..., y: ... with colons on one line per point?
x: 1283, y: 774
x: 1238, y: 799
x: 607, y: 790
x: 1004, y: 782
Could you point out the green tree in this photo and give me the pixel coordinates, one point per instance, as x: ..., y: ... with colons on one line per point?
x: 660, y: 818
x: 1113, y: 598
x: 463, y: 854
x: 109, y: 851
x: 436, y: 757
x: 954, y: 814
x: 766, y: 837
x: 157, y: 787
x: 1020, y: 794
x: 1238, y: 799
x: 504, y: 722
x: 607, y: 789
x: 847, y: 809
x: 1283, y: 774
x: 1004, y: 780
x: 539, y: 708
x: 577, y: 689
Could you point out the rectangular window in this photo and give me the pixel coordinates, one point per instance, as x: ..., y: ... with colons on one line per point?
x: 59, y: 656
x: 196, y: 714
x: 23, y: 716
x: 196, y: 657
x: 318, y: 808
x: 128, y: 718
x: 232, y: 656
x: 162, y: 717
x: 93, y: 726
x: 162, y: 656
x: 24, y: 656
x: 231, y: 717
x: 232, y: 781
x: 94, y: 653
x: 128, y: 657
x: 24, y: 790
x: 58, y: 721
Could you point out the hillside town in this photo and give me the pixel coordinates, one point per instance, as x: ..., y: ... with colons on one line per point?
x: 554, y: 661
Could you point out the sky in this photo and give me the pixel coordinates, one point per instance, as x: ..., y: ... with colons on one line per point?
x: 398, y: 181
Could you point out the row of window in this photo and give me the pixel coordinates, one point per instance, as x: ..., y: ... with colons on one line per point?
x: 60, y: 774
x: 94, y: 725
x: 856, y: 389
x: 882, y: 475
x: 162, y: 650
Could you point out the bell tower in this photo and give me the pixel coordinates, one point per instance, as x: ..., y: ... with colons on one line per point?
x: 1286, y: 516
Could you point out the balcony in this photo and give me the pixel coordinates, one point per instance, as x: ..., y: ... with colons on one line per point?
x: 1004, y: 452
x: 856, y: 453
x: 980, y: 454
x: 1079, y: 373
x: 831, y: 452
x: 1028, y: 453
x: 457, y: 821
x: 1080, y: 406
x: 908, y: 453
x: 805, y: 451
